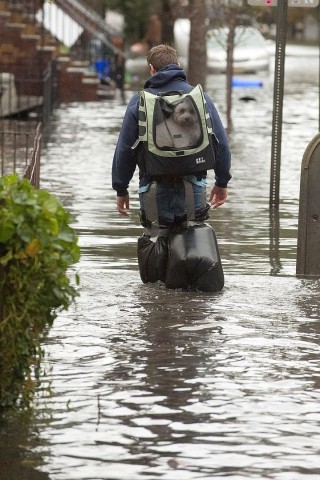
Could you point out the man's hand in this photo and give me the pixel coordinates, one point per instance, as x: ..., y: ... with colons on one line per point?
x: 218, y: 196
x: 123, y: 205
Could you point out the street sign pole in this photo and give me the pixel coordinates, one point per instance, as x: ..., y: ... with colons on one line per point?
x: 278, y: 103
x: 278, y: 86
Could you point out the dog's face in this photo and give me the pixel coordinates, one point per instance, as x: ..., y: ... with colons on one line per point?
x: 184, y: 113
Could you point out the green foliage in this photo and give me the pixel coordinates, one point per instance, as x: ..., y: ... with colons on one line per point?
x: 37, y: 246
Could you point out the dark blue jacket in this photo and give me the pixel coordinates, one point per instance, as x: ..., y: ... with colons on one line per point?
x: 171, y: 77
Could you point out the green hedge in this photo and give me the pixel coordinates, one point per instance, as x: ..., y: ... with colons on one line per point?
x: 37, y: 246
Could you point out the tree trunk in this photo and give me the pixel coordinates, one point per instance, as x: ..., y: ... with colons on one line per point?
x: 167, y: 21
x: 197, y: 69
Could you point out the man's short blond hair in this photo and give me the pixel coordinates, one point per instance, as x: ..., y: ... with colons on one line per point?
x: 162, y: 55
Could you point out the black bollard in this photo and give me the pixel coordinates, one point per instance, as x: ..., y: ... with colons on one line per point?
x: 308, y: 248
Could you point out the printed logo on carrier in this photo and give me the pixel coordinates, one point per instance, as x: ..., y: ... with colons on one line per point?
x: 200, y: 160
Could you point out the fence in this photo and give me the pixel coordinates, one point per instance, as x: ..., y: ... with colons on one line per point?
x: 32, y: 170
x: 20, y: 150
x: 49, y: 91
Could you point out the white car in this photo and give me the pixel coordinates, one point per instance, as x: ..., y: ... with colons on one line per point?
x: 251, y: 51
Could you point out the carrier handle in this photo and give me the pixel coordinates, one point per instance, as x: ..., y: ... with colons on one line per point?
x: 171, y: 92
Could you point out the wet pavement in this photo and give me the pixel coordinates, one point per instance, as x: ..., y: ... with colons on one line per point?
x: 149, y: 383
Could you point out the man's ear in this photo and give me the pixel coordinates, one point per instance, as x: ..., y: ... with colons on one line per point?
x: 153, y: 71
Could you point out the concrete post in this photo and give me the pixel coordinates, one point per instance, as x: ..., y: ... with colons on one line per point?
x: 308, y: 251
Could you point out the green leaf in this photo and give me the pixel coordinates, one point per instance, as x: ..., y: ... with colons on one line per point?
x: 54, y: 226
x: 6, y: 232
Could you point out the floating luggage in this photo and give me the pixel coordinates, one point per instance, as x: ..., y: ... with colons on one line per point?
x: 187, y: 259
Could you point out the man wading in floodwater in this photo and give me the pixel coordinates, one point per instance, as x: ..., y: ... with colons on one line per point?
x: 169, y: 189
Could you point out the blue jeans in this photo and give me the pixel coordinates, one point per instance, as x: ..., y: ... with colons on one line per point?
x: 170, y: 200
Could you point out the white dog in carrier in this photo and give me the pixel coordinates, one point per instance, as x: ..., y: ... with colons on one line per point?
x: 181, y: 129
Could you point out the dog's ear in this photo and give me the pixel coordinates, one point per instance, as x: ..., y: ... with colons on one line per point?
x: 166, y: 107
x: 178, y: 102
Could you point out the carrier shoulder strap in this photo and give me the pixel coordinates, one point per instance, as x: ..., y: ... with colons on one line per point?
x: 151, y: 209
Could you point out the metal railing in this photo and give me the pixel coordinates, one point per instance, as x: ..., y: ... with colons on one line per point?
x: 20, y: 153
x: 49, y: 91
x: 24, y: 88
x: 28, y: 83
x: 32, y: 170
x: 20, y: 150
x: 91, y: 22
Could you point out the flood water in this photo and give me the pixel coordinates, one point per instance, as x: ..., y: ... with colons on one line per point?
x: 149, y: 383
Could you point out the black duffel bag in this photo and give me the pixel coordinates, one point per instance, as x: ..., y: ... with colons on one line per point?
x: 194, y: 260
x: 152, y: 258
x: 187, y: 258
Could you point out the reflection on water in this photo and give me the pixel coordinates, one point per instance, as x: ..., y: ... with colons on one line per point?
x: 213, y: 384
x: 19, y: 441
x: 149, y: 383
x: 274, y: 242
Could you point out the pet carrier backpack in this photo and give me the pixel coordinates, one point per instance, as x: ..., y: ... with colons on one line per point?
x: 175, y: 133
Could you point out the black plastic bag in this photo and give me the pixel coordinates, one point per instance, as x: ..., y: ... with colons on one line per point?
x: 152, y: 258
x: 194, y: 260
